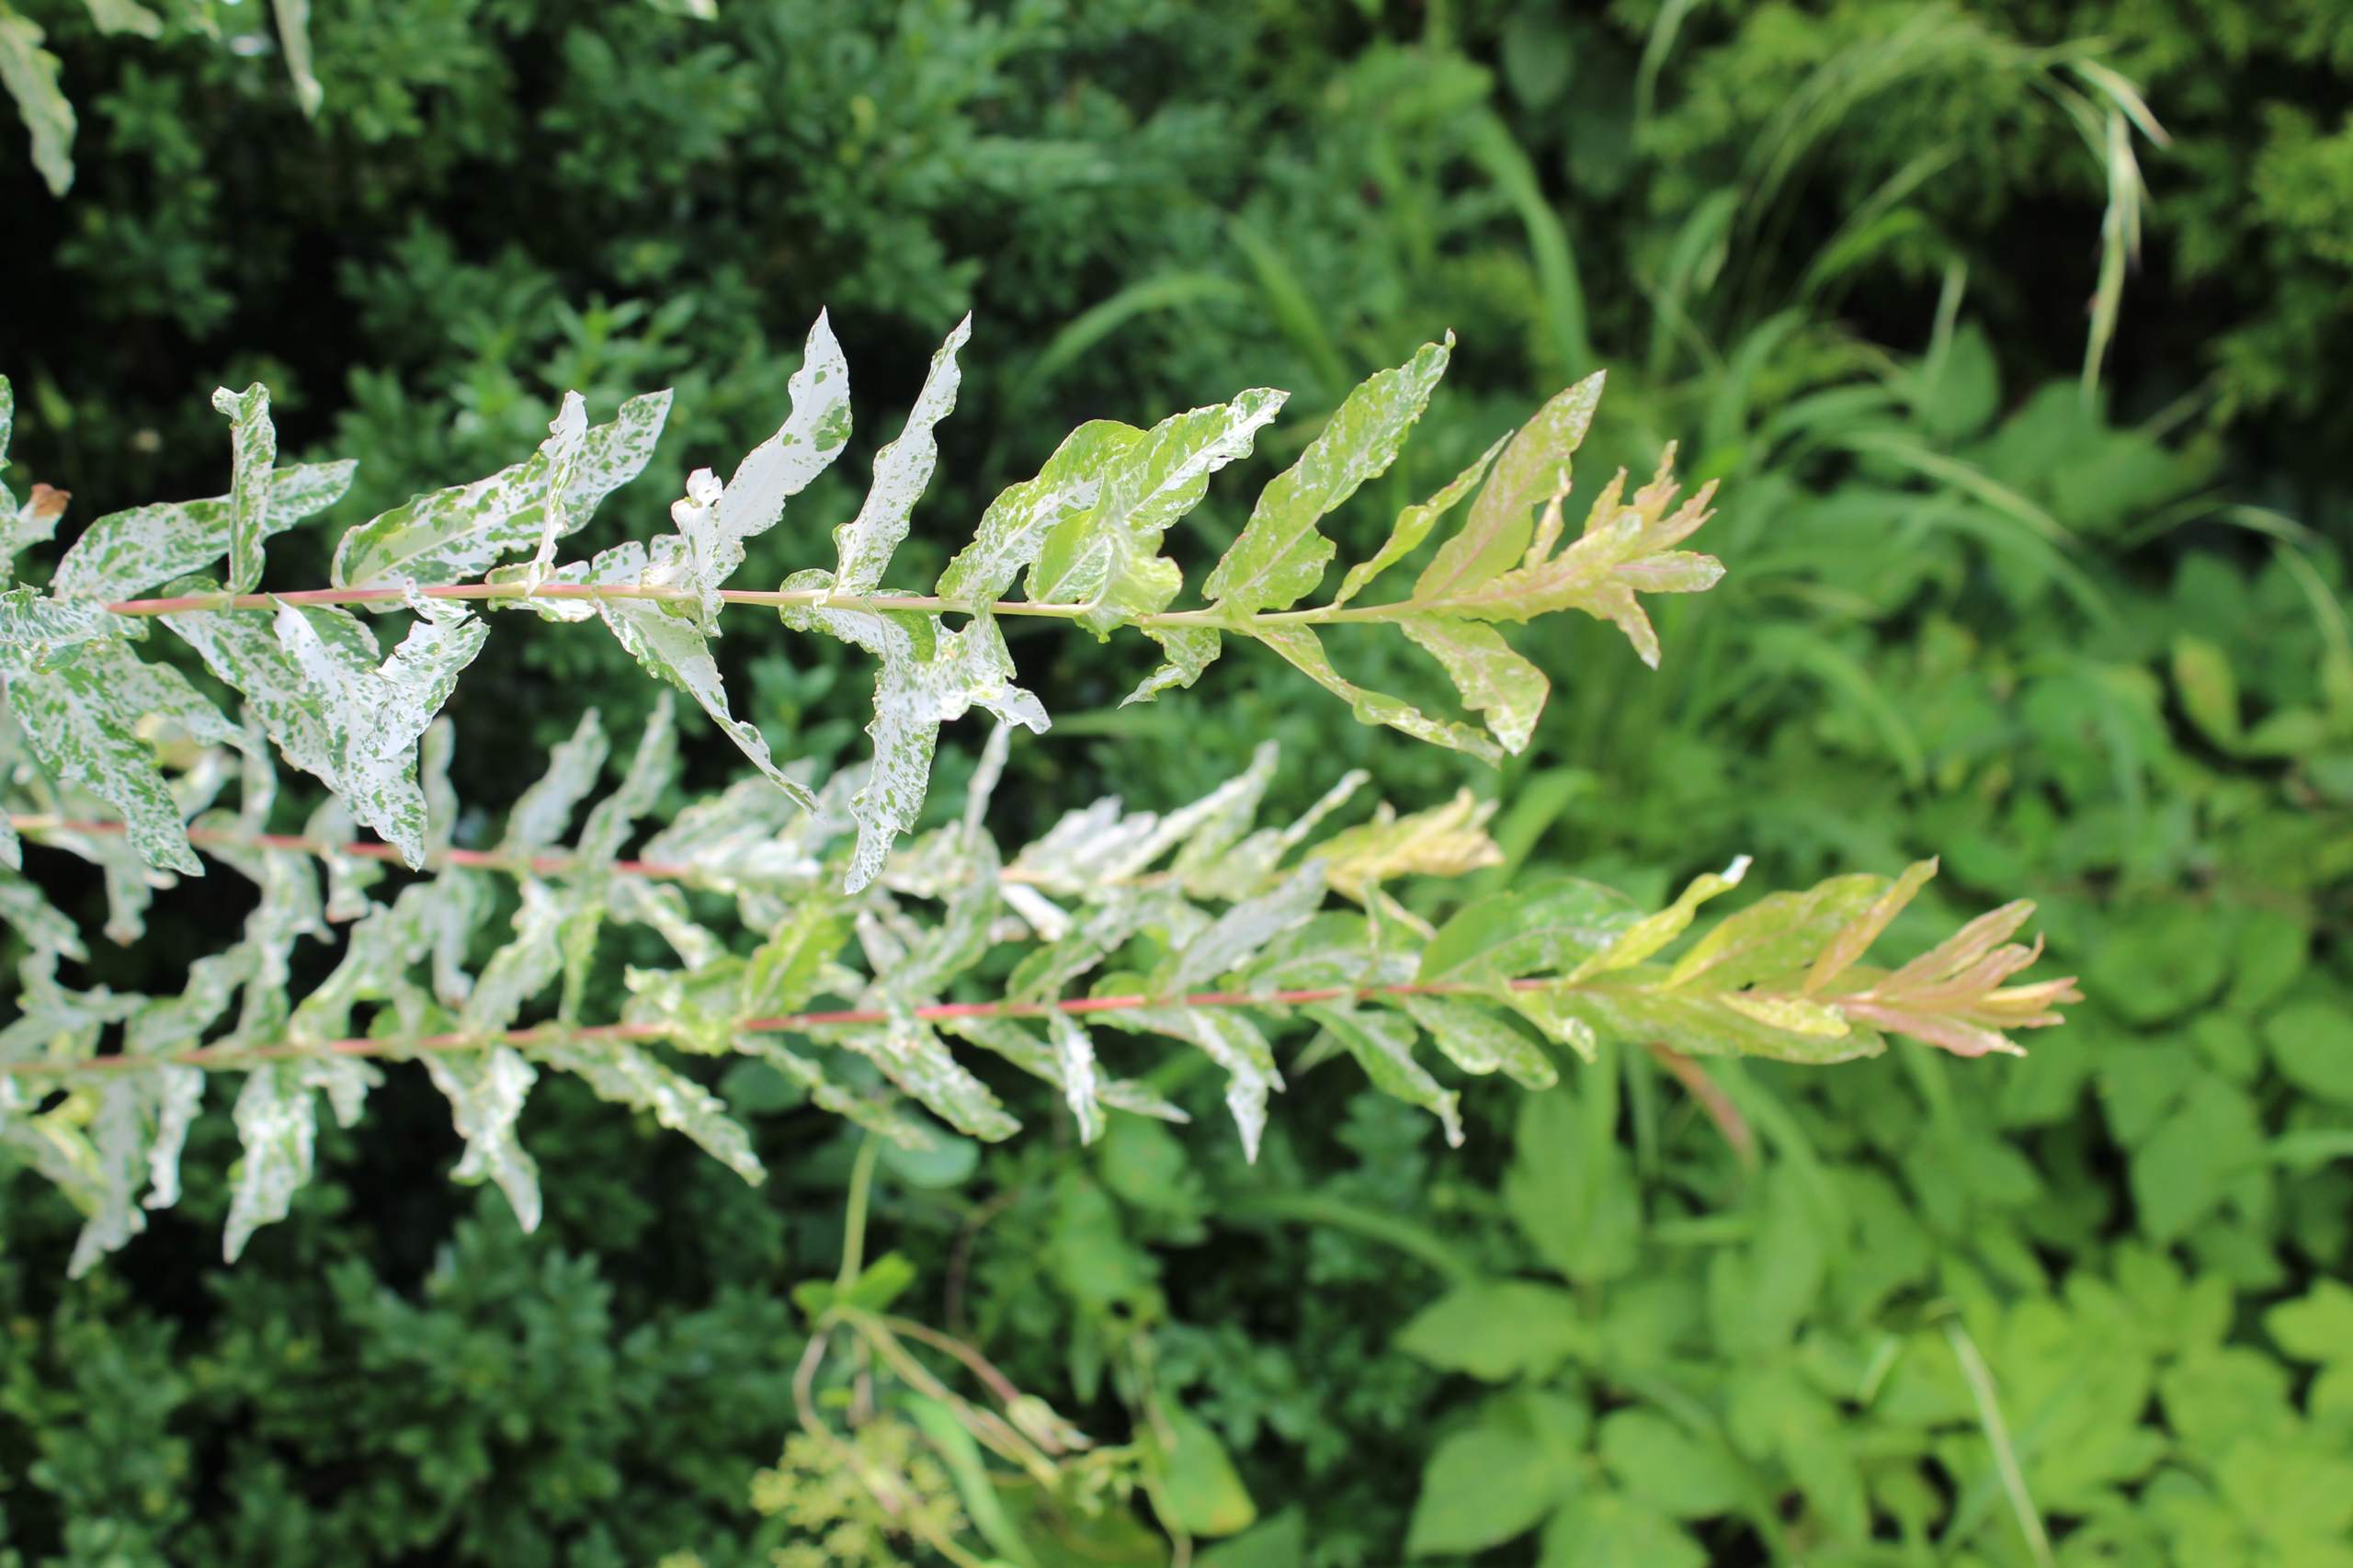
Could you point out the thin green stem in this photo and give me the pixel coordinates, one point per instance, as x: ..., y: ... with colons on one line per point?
x: 862, y: 1189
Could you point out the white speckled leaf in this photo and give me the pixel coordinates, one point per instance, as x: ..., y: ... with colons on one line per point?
x: 526, y: 964
x: 1108, y: 557
x: 713, y: 523
x: 1228, y: 1039
x: 671, y: 647
x: 252, y: 445
x: 83, y: 735
x: 485, y: 1090
x: 29, y: 75
x: 1477, y: 1041
x: 625, y: 1075
x: 901, y: 471
x: 540, y: 818
x: 277, y: 1117
x: 374, y: 715
x: 136, y: 1134
x: 1015, y: 526
x: 1280, y: 554
x: 1305, y: 651
x: 918, y: 1062
x: 450, y: 536
x: 1382, y: 1044
x: 1240, y: 931
x: 1652, y: 932
x: 123, y: 555
x: 1190, y: 650
x: 1493, y: 679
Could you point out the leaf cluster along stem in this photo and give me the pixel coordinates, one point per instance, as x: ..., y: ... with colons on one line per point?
x: 776, y: 598
x: 791, y: 1023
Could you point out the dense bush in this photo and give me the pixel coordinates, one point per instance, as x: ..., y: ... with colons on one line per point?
x: 2089, y: 646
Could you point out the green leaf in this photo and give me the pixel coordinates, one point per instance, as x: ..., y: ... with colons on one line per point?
x: 1572, y: 1195
x: 29, y: 73
x: 1413, y: 525
x: 1492, y: 679
x: 1189, y: 651
x: 123, y: 555
x: 1652, y: 932
x: 1533, y: 469
x: 253, y: 442
x: 1660, y: 1463
x: 1280, y: 555
x: 453, y: 535
x: 1107, y: 559
x: 1498, y: 1330
x: 1545, y: 929
x: 1604, y: 1530
x: 902, y: 470
x: 2312, y: 1043
x: 1777, y: 934
x: 788, y: 968
x: 1198, y: 1484
x: 1497, y: 1477
x: 1305, y: 651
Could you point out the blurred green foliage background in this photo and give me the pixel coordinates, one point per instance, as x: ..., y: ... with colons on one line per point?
x: 2083, y: 635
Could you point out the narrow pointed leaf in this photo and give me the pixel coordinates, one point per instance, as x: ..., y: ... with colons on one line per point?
x: 1533, y: 467
x: 253, y: 445
x: 1413, y: 525
x: 1280, y: 554
x: 902, y: 470
x: 1305, y: 651
x: 1494, y: 681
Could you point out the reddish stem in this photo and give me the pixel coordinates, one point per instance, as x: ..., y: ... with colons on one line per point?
x: 791, y: 1023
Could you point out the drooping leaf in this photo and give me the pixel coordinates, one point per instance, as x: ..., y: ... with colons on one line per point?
x: 485, y: 1091
x: 81, y: 728
x: 1280, y: 554
x: 1300, y: 646
x: 1382, y: 1043
x: 29, y: 75
x: 929, y: 676
x: 624, y: 1075
x: 1477, y: 1040
x: 313, y: 678
x: 277, y: 1117
x: 1493, y: 680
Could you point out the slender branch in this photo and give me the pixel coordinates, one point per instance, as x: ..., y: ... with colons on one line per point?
x: 795, y: 1023
x: 776, y: 598
x: 862, y: 1189
x: 488, y: 859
